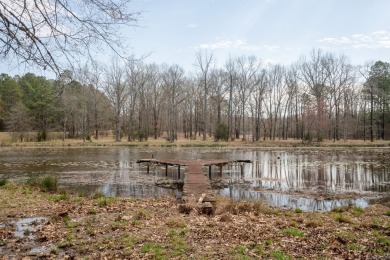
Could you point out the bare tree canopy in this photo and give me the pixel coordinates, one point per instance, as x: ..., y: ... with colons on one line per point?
x: 55, y: 34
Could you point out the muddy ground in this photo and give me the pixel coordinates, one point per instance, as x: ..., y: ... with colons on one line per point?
x: 38, y: 225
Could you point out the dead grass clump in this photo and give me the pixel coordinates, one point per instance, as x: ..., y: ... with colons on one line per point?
x: 244, y: 207
x: 184, y: 209
x: 340, y: 209
x: 172, y: 223
x: 225, y: 217
x: 342, y: 218
x: 294, y: 224
x: 239, y: 207
x: 141, y: 215
x: 313, y: 223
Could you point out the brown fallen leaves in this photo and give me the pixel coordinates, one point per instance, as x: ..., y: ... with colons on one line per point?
x: 99, y: 228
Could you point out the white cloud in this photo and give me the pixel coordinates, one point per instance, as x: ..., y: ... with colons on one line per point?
x: 240, y: 44
x: 374, y: 40
x: 192, y: 25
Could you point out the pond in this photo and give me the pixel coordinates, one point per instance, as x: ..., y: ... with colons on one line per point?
x: 309, y: 179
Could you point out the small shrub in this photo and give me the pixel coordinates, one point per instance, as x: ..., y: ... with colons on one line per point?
x: 3, y: 182
x: 387, y: 213
x: 221, y: 133
x: 298, y: 210
x: 49, y: 183
x: 307, y: 137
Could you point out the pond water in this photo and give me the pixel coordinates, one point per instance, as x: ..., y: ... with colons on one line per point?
x: 309, y: 179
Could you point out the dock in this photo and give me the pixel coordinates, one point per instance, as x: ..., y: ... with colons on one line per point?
x: 197, y: 186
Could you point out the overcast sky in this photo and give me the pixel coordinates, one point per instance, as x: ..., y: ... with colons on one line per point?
x: 276, y: 31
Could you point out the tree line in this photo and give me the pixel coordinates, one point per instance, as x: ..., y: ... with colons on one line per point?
x: 321, y: 96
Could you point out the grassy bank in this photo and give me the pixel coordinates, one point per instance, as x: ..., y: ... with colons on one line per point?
x: 100, y: 227
x: 6, y: 140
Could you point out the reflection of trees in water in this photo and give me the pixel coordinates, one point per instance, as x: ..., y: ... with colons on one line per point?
x: 134, y: 190
x: 289, y: 201
x: 288, y: 171
x: 124, y: 190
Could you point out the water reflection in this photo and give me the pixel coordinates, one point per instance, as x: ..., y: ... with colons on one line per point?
x: 272, y: 176
x: 291, y: 201
x: 332, y: 172
x: 124, y: 190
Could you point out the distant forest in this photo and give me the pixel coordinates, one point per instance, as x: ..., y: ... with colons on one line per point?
x: 321, y: 96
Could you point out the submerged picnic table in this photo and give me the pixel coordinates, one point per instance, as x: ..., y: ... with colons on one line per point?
x: 197, y: 186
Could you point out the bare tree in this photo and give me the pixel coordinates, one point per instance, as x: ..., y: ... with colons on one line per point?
x: 203, y: 62
x: 369, y: 90
x: 173, y: 77
x: 294, y: 93
x: 218, y: 80
x: 55, y: 34
x: 231, y: 76
x: 18, y: 121
x: 315, y: 76
x: 256, y: 102
x: 94, y: 81
x: 116, y: 91
x: 276, y: 90
x: 248, y: 68
x: 340, y: 78
x: 155, y: 90
x: 137, y: 77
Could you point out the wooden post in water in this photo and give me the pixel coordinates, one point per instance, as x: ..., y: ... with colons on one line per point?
x: 147, y: 169
x: 210, y: 172
x: 178, y: 170
x: 166, y: 169
x: 220, y: 170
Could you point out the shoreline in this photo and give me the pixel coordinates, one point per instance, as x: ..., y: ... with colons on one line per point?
x: 66, y: 225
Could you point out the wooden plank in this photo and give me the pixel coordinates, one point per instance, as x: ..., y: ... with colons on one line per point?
x: 209, y: 199
x: 202, y: 198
